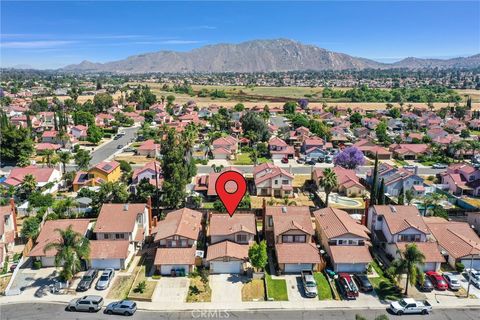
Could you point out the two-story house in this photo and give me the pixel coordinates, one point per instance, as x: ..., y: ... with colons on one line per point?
x: 345, y: 241
x: 290, y: 231
x: 176, y: 237
x: 151, y: 171
x: 271, y: 180
x: 106, y: 171
x: 230, y: 239
x: 205, y: 184
x: 393, y: 227
x: 225, y: 147
x: 279, y: 149
x: 348, y: 183
x: 8, y: 229
x: 128, y: 224
x: 462, y: 178
x: 397, y: 180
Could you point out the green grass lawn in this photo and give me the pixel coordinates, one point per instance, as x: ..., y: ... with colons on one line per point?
x: 401, y: 162
x: 277, y: 288
x: 385, y: 289
x: 323, y: 287
x: 207, y: 205
x: 244, y: 159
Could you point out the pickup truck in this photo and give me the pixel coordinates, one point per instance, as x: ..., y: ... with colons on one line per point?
x: 409, y: 305
x: 309, y: 284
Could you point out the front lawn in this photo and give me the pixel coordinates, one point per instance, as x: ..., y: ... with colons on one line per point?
x: 253, y: 290
x: 145, y: 293
x: 120, y: 287
x: 198, y: 290
x: 401, y: 162
x: 277, y: 288
x: 323, y: 286
x: 244, y: 159
x: 207, y: 205
x: 384, y: 287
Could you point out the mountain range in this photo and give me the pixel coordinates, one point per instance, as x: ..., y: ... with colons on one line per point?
x: 259, y: 56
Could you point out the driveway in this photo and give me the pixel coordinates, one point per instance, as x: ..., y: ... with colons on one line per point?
x: 171, y: 289
x: 295, y: 289
x: 226, y: 287
x: 110, y: 148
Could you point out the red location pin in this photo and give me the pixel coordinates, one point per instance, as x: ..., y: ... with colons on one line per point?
x: 231, y: 187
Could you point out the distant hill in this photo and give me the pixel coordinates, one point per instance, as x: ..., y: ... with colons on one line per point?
x: 258, y: 56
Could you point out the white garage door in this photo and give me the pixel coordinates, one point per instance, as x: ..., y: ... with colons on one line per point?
x: 468, y: 263
x: 166, y: 269
x: 297, y: 268
x: 106, y: 263
x: 430, y: 266
x: 347, y: 267
x: 225, y: 267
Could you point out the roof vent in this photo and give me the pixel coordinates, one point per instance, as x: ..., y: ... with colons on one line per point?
x: 125, y: 207
x: 284, y: 209
x: 393, y: 209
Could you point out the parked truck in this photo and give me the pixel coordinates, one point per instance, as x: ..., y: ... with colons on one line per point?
x: 409, y: 306
x: 309, y: 284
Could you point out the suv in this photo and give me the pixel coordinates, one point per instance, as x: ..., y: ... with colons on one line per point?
x: 452, y: 281
x: 87, y: 280
x: 104, y: 280
x: 348, y: 288
x: 86, y: 303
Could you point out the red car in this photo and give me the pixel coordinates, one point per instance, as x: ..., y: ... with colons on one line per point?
x: 284, y: 160
x: 438, y: 280
x: 347, y: 286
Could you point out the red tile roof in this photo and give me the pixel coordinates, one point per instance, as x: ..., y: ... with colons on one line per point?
x: 118, y: 217
x: 336, y: 222
x: 297, y: 253
x: 400, y: 218
x: 109, y: 249
x: 227, y: 249
x: 167, y: 256
x: 183, y: 222
x: 350, y: 254
x: 223, y: 224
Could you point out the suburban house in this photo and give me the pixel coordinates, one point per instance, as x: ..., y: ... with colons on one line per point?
x: 348, y: 183
x: 123, y: 222
x: 149, y: 149
x: 205, y: 184
x: 43, y: 176
x: 176, y: 237
x: 106, y: 171
x: 279, y: 149
x: 271, y: 180
x: 48, y: 234
x: 456, y: 241
x: 397, y: 179
x: 225, y: 147
x: 50, y: 136
x: 79, y: 132
x: 370, y: 149
x: 408, y: 151
x: 150, y: 171
x: 230, y: 239
x: 437, y: 133
x: 290, y: 231
x: 393, y: 227
x: 8, y: 229
x: 473, y: 219
x: 462, y: 178
x: 345, y: 241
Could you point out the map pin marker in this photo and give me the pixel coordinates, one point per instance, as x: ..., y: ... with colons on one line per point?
x: 231, y: 187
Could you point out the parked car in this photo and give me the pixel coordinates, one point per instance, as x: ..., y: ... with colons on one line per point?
x: 300, y: 161
x: 363, y: 283
x: 105, y: 279
x: 452, y: 281
x: 120, y: 146
x: 311, y: 162
x: 86, y: 303
x: 475, y: 277
x: 409, y: 167
x: 438, y: 280
x: 328, y: 159
x: 125, y: 307
x: 409, y: 306
x: 87, y: 280
x: 309, y: 284
x: 129, y: 149
x: 284, y: 160
x: 348, y: 288
x: 426, y: 286
x: 439, y: 166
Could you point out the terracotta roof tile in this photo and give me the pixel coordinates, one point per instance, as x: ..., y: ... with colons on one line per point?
x: 350, y: 254
x: 227, y: 249
x: 336, y: 222
x: 183, y: 222
x: 223, y: 224
x: 166, y: 256
x: 118, y: 217
x: 297, y: 253
x: 109, y: 249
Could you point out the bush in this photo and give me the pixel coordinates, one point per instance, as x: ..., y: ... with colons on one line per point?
x: 37, y: 264
x: 156, y: 277
x: 459, y: 266
x: 141, y: 286
x: 204, y: 273
x: 107, y: 135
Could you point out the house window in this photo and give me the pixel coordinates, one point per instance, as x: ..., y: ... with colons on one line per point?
x: 409, y: 237
x: 284, y: 181
x: 241, y: 238
x: 339, y: 242
x: 290, y: 239
x: 105, y: 236
x: 119, y: 236
x: 276, y: 182
x: 270, y: 222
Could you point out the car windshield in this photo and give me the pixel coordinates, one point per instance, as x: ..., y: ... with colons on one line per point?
x: 455, y: 281
x: 311, y: 284
x: 402, y: 303
x: 104, y: 278
x: 87, y: 278
x: 441, y: 281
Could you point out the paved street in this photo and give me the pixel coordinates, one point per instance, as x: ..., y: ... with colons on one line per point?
x: 41, y: 311
x: 110, y: 148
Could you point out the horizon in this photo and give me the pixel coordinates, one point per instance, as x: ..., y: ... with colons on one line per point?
x: 102, y: 32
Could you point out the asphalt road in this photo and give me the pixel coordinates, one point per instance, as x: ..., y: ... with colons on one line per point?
x: 43, y: 311
x: 110, y: 148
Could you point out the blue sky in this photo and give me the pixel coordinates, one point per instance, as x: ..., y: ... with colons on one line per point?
x: 54, y: 34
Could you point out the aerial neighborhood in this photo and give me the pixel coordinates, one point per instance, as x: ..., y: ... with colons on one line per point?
x: 108, y: 192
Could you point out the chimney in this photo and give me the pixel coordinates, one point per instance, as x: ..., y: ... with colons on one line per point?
x: 14, y: 215
x: 150, y: 215
x: 125, y: 207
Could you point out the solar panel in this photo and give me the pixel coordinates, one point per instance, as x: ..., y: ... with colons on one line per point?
x: 107, y: 167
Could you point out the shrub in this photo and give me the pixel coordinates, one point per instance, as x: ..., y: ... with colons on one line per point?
x: 156, y: 277
x: 204, y: 273
x: 37, y: 264
x: 459, y: 266
x: 141, y: 286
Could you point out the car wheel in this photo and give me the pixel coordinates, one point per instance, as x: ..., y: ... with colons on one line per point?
x: 109, y: 312
x: 73, y: 309
x: 126, y: 313
x: 425, y: 311
x: 399, y: 313
x: 91, y: 310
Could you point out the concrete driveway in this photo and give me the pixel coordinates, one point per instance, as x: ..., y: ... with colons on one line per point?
x: 226, y: 287
x: 295, y: 289
x: 171, y: 289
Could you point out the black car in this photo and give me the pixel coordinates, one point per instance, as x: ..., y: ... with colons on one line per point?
x: 363, y: 283
x: 87, y: 280
x: 427, y: 285
x: 311, y: 162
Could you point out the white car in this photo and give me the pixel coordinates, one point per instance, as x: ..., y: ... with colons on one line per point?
x: 475, y: 274
x: 452, y: 281
x: 105, y: 279
x: 410, y: 306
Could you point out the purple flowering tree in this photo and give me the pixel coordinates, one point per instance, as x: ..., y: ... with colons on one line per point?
x: 303, y: 103
x: 350, y: 158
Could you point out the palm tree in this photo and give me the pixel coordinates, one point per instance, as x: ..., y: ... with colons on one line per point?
x: 408, y: 263
x: 48, y: 154
x: 70, y: 250
x: 328, y: 182
x: 64, y: 159
x: 409, y: 196
x: 254, y: 156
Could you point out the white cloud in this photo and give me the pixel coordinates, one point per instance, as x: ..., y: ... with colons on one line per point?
x: 34, y: 44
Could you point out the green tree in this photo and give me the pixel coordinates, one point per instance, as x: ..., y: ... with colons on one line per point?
x: 409, y: 196
x: 94, y: 134
x: 373, y: 189
x: 381, y: 193
x: 84, y: 118
x: 251, y: 122
x: 257, y: 254
x: 328, y: 182
x: 289, y: 107
x: 381, y: 132
x: 356, y: 120
x: 28, y: 186
x: 102, y: 102
x: 16, y: 143
x: 82, y: 159
x: 145, y: 190
x: 64, y: 158
x: 48, y: 153
x: 71, y: 249
x: 30, y: 228
x: 239, y: 107
x: 409, y: 262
